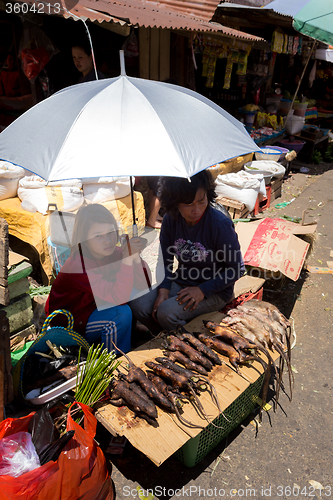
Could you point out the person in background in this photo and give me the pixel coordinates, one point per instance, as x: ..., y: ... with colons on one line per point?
x: 9, y: 78
x: 83, y: 60
x: 98, y: 279
x: 205, y: 243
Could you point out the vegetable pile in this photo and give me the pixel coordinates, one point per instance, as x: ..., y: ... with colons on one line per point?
x: 97, y: 374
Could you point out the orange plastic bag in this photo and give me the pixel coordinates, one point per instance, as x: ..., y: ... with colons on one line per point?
x: 79, y: 473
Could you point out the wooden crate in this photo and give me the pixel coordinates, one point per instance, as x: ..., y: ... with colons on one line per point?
x: 236, y: 209
x: 276, y: 188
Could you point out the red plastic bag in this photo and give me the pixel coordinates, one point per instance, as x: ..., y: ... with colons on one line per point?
x: 79, y: 473
x: 33, y: 61
x: 35, y: 50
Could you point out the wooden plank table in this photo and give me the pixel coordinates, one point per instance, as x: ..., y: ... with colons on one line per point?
x: 160, y: 442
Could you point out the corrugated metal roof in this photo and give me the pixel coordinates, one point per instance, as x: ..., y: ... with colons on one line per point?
x: 200, y: 9
x: 77, y: 11
x: 84, y: 13
x: 168, y: 14
x: 158, y: 15
x: 229, y: 6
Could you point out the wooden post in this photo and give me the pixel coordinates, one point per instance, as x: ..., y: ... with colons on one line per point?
x: 154, y: 54
x: 164, y: 55
x: 144, y: 44
x: 2, y: 386
x: 4, y: 259
x: 6, y: 381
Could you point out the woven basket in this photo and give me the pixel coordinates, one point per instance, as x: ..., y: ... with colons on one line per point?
x: 57, y: 335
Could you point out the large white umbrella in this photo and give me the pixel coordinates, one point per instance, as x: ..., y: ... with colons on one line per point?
x: 123, y: 126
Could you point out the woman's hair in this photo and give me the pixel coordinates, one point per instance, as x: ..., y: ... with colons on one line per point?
x: 85, y: 217
x: 175, y: 190
x: 84, y: 45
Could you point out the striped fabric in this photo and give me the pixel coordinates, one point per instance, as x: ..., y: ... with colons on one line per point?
x: 107, y: 330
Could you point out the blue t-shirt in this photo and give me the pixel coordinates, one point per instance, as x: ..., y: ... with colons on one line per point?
x: 208, y: 253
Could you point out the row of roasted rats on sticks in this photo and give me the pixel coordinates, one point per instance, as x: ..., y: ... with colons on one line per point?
x: 182, y: 373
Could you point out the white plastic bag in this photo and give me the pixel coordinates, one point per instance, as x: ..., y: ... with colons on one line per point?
x: 9, y: 179
x: 241, y: 186
x: 34, y: 191
x: 101, y: 189
x: 17, y: 455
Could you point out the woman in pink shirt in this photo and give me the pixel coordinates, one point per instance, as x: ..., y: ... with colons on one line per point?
x: 99, y: 278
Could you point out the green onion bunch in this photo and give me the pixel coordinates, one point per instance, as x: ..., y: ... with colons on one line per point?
x: 34, y: 291
x: 96, y: 375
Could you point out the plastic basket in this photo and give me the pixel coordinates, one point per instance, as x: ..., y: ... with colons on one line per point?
x: 244, y: 298
x: 192, y: 452
x: 59, y: 254
x: 57, y: 335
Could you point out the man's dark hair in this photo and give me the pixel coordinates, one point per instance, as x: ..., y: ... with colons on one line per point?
x: 175, y: 190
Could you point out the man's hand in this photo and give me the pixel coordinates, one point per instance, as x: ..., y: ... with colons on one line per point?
x: 163, y: 294
x: 192, y: 295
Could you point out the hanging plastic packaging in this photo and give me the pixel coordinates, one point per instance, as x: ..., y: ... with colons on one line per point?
x: 17, y: 455
x: 35, y: 51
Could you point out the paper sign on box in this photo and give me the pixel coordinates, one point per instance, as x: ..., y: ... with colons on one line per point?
x: 272, y: 244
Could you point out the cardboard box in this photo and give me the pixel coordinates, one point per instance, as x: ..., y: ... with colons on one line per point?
x: 273, y: 244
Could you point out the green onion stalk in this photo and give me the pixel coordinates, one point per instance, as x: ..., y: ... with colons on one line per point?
x: 95, y: 377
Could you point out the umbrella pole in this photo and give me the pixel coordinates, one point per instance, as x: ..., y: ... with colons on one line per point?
x: 135, y: 232
x: 135, y: 227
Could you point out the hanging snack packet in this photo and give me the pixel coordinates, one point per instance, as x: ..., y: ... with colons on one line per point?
x: 242, y: 63
x: 235, y: 56
x: 227, y: 76
x: 209, y: 82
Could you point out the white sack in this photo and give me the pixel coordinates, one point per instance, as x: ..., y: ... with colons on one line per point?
x: 242, y: 187
x: 35, y: 192
x: 101, y: 189
x: 9, y: 179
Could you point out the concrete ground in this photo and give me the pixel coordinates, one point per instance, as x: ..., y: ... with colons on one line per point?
x: 289, y: 455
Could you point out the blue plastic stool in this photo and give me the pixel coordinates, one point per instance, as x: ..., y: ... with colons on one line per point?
x: 59, y: 254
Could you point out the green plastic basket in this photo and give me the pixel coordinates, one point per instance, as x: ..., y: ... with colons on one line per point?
x: 192, y: 452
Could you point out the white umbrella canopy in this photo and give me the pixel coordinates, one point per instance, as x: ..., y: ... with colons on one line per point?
x: 123, y: 126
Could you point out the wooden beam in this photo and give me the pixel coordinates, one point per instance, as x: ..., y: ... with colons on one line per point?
x: 4, y: 249
x: 6, y: 381
x: 2, y: 386
x: 154, y: 61
x: 4, y: 295
x: 4, y: 260
x: 164, y: 55
x: 144, y: 42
